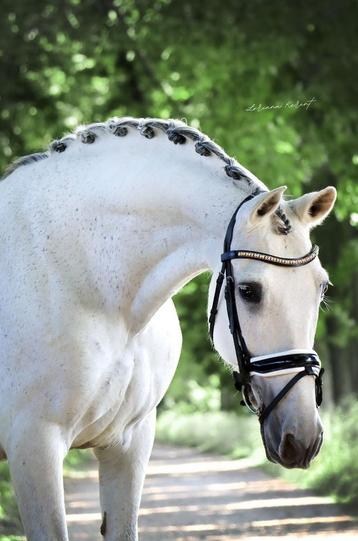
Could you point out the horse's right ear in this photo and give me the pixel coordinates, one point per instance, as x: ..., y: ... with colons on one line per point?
x: 313, y: 208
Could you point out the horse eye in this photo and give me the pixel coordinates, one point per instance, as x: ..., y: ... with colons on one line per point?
x: 250, y: 292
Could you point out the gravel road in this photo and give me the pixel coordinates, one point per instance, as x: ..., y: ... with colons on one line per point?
x: 190, y: 496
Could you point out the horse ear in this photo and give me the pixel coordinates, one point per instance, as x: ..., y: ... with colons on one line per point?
x: 313, y: 208
x: 265, y: 204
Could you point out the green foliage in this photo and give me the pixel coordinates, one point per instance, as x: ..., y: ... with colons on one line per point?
x: 337, y: 468
x: 220, y: 432
x: 77, y: 457
x: 12, y: 538
x: 188, y: 396
x: 9, y: 517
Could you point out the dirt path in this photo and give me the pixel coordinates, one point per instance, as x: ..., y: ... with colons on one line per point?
x: 190, y: 496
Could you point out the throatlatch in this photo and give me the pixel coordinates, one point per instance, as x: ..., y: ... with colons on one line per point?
x: 300, y: 362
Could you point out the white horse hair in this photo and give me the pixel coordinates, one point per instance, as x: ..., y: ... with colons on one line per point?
x: 97, y: 235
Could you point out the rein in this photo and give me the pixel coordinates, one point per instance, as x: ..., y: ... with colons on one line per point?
x: 300, y: 362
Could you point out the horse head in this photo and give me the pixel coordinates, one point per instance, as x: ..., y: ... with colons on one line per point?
x: 274, y: 284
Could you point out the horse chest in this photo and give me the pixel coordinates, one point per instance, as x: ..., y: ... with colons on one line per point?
x: 135, y: 385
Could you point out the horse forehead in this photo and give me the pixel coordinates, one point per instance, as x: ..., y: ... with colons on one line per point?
x: 265, y: 239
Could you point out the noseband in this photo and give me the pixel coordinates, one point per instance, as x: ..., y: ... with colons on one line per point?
x: 300, y: 362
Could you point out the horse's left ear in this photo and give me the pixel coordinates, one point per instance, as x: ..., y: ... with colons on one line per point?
x: 312, y: 208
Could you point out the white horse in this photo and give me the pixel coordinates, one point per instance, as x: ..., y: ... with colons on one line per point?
x: 96, y: 237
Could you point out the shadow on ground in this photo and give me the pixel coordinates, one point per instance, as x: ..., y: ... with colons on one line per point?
x: 189, y: 496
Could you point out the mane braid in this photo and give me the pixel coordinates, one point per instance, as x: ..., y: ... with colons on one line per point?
x: 176, y: 131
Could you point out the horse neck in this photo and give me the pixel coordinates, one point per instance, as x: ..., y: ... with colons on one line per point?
x: 189, y: 200
x: 163, y: 210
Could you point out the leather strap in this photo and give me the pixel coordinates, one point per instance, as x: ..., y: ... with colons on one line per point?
x: 268, y: 409
x: 242, y: 353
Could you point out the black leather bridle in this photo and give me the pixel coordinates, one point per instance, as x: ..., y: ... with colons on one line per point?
x: 301, y: 362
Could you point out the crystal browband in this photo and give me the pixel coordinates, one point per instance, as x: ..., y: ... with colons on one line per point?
x: 272, y: 259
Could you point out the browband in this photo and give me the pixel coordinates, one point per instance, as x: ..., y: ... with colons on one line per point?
x: 272, y: 259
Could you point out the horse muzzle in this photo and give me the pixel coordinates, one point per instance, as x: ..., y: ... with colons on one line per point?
x: 292, y: 450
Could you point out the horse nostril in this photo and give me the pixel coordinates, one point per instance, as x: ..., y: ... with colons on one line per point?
x: 289, y: 449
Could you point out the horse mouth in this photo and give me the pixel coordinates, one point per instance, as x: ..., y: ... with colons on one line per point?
x: 301, y: 460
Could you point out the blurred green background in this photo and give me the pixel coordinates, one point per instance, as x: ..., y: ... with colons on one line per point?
x: 239, y: 70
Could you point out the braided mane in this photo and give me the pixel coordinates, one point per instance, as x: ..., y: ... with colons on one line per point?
x: 178, y: 132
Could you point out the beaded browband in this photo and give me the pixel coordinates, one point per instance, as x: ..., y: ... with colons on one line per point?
x: 273, y: 259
